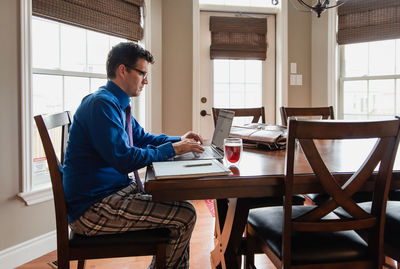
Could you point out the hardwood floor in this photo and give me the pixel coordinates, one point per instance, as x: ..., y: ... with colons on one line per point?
x: 202, y: 243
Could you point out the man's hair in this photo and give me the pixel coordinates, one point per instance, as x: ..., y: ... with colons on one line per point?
x: 126, y: 53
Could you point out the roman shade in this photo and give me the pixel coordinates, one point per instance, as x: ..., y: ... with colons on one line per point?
x: 368, y: 20
x: 114, y: 17
x: 238, y: 38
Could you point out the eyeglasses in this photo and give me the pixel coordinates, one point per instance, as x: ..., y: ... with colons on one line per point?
x: 142, y: 73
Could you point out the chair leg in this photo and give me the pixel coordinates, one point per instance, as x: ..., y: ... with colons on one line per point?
x: 63, y: 264
x: 249, y: 254
x: 81, y: 264
x: 161, y: 256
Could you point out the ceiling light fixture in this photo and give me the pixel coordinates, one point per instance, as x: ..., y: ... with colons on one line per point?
x: 319, y: 7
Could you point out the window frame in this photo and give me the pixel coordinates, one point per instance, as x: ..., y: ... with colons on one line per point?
x: 141, y: 106
x: 366, y: 78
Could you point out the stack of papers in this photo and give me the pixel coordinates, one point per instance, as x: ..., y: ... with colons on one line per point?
x: 189, y: 169
x: 259, y: 133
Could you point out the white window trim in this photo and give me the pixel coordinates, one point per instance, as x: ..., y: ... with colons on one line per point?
x: 281, y: 39
x: 44, y: 193
x: 28, y: 195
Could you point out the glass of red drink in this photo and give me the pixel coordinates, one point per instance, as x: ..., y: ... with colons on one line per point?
x: 233, y: 148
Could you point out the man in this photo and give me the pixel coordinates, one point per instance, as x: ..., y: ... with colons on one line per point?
x: 106, y: 144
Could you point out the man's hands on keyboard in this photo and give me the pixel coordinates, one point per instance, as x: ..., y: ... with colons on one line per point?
x: 187, y: 145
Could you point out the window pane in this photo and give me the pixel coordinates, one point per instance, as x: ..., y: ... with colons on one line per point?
x: 221, y: 95
x: 96, y: 83
x: 381, y: 97
x: 381, y: 58
x: 115, y: 40
x: 47, y: 94
x: 253, y: 95
x: 73, y: 48
x: 253, y: 71
x: 45, y: 44
x: 237, y: 95
x: 221, y: 71
x: 397, y: 96
x: 75, y: 89
x: 398, y: 56
x: 98, y: 47
x: 355, y: 97
x: 237, y: 71
x: 356, y: 60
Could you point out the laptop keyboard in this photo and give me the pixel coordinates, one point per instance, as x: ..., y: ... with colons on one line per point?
x: 208, y: 152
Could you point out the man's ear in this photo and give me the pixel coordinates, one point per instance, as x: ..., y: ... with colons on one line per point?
x: 121, y: 71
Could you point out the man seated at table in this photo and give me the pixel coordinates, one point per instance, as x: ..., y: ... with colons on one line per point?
x: 106, y: 144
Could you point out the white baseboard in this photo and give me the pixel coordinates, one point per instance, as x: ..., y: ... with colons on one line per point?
x: 28, y: 250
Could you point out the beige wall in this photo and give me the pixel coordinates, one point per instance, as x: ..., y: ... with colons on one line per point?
x: 18, y: 222
x: 177, y: 35
x: 299, y: 44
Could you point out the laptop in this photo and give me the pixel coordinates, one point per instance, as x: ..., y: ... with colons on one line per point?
x: 216, y: 149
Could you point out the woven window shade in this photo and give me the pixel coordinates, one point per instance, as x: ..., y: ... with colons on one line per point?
x: 368, y: 20
x: 238, y: 38
x: 114, y: 17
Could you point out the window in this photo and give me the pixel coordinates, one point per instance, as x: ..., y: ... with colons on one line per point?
x: 370, y: 80
x: 68, y: 63
x: 237, y: 84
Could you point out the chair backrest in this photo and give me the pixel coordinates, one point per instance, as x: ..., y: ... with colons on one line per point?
x: 45, y: 123
x: 256, y: 113
x: 383, y: 153
x: 323, y: 112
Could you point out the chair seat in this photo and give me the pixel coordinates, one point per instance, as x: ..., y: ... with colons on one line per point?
x: 392, y: 222
x: 307, y: 248
x: 152, y: 236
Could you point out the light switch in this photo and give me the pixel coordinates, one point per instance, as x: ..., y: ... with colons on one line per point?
x: 299, y: 80
x: 293, y: 80
x: 293, y: 68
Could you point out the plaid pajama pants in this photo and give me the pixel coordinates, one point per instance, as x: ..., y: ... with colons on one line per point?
x: 129, y: 210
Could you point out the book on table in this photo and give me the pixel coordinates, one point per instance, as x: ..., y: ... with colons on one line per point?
x: 189, y: 169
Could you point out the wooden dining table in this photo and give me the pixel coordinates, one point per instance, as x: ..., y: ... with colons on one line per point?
x: 260, y: 173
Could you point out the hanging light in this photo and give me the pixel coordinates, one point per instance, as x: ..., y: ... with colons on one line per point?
x: 319, y: 7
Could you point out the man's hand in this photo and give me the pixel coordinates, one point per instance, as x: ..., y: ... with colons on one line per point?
x: 192, y: 135
x: 187, y: 145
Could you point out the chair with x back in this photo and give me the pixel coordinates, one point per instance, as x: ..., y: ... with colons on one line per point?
x: 71, y: 246
x: 256, y: 113
x: 313, y: 236
x: 322, y: 112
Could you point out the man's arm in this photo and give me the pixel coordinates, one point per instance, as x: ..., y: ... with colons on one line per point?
x: 109, y: 138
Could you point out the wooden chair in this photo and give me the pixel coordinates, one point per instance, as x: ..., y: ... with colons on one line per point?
x: 256, y: 113
x: 324, y: 112
x: 313, y: 236
x: 71, y: 246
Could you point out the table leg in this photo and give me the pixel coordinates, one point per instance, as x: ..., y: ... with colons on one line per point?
x: 231, y: 218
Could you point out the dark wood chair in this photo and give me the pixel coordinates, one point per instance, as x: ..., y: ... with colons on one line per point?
x: 323, y: 112
x: 314, y: 236
x: 71, y: 246
x: 256, y: 113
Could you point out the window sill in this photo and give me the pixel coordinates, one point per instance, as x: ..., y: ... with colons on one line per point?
x: 36, y: 196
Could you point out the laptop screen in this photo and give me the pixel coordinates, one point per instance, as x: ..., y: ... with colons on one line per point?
x: 222, y: 128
